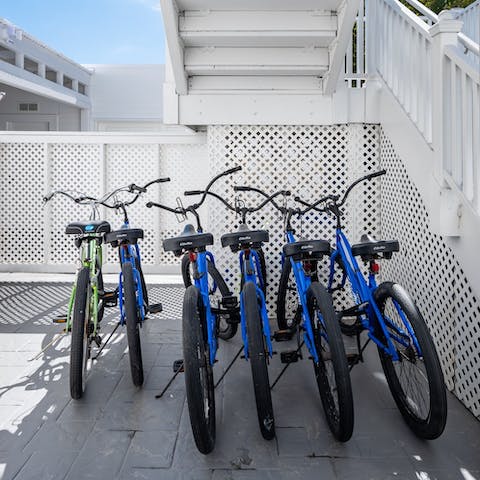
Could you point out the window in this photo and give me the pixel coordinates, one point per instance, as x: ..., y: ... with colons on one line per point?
x: 82, y: 88
x: 30, y: 65
x: 28, y: 107
x: 7, y: 55
x: 67, y: 82
x: 51, y: 74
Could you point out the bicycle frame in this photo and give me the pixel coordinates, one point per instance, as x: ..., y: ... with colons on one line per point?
x: 130, y: 253
x: 200, y: 277
x: 363, y: 294
x: 303, y: 283
x: 89, y: 252
x: 250, y: 267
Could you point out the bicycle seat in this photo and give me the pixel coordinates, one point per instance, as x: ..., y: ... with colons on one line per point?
x: 92, y: 226
x: 244, y: 238
x: 188, y: 240
x: 126, y: 235
x: 370, y: 249
x: 307, y: 249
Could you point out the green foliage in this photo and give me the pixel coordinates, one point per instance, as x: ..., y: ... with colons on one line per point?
x: 438, y: 5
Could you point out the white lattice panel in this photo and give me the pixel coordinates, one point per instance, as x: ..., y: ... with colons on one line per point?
x: 23, y: 174
x: 310, y: 161
x: 71, y: 167
x: 187, y: 167
x: 139, y: 164
x: 427, y: 268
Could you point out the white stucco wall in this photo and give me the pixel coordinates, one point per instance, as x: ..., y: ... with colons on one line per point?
x: 127, y: 97
x: 51, y: 115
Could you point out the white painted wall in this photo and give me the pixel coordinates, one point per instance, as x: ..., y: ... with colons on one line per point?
x: 55, y: 116
x: 127, y: 97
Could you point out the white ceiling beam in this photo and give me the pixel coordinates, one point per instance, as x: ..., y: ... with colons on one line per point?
x: 261, y: 83
x: 278, y: 60
x: 174, y: 45
x: 241, y: 21
x: 236, y: 5
x: 259, y: 39
x: 346, y: 20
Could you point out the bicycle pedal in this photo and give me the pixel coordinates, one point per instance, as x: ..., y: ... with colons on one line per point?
x: 110, y: 299
x: 155, y: 308
x: 284, y: 335
x: 178, y: 366
x: 60, y: 319
x: 289, y: 356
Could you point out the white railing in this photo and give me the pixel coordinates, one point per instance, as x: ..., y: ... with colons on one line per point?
x: 355, y: 57
x: 461, y: 123
x: 470, y: 16
x: 402, y: 56
x: 433, y: 71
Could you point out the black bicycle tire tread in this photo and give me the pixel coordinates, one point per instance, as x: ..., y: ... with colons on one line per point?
x: 132, y: 324
x: 203, y: 429
x: 434, y: 425
x: 343, y: 429
x: 77, y: 333
x: 258, y: 362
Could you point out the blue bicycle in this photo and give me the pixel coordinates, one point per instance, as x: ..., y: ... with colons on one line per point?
x: 302, y: 301
x: 131, y: 292
x: 204, y: 317
x: 392, y: 321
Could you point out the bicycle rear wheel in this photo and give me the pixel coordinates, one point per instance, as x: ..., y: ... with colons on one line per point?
x: 198, y: 371
x: 80, y: 342
x: 289, y: 313
x: 415, y: 380
x: 225, y: 330
x: 331, y: 371
x: 258, y: 361
x: 132, y: 321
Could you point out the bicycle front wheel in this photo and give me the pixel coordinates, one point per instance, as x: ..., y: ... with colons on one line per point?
x: 331, y: 371
x: 416, y: 379
x: 257, y: 355
x: 225, y: 330
x: 132, y: 321
x: 80, y: 343
x: 198, y: 371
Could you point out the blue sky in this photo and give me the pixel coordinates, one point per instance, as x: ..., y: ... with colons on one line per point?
x: 93, y: 31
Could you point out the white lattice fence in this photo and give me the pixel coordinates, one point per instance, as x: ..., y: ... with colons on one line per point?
x: 33, y: 234
x: 427, y: 267
x: 310, y: 161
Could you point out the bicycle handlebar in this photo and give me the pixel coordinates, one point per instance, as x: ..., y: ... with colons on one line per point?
x: 335, y: 198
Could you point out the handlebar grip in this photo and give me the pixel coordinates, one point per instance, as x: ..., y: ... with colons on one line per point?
x: 241, y: 188
x: 47, y: 198
x: 193, y: 192
x: 233, y: 170
x: 163, y: 180
x: 378, y: 174
x: 149, y: 204
x: 287, y: 193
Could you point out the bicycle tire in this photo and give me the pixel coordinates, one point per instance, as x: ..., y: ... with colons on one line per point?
x: 289, y: 313
x: 79, y: 348
x: 258, y: 361
x: 337, y: 398
x: 142, y: 281
x: 430, y: 422
x: 263, y: 273
x: 226, y: 330
x: 199, y: 384
x: 133, y: 324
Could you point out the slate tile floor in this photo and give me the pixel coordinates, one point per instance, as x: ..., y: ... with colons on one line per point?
x: 119, y: 432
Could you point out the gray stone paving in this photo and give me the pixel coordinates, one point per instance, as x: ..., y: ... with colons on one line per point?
x: 120, y: 432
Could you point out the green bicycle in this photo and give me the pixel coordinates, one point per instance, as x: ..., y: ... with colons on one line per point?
x: 88, y: 298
